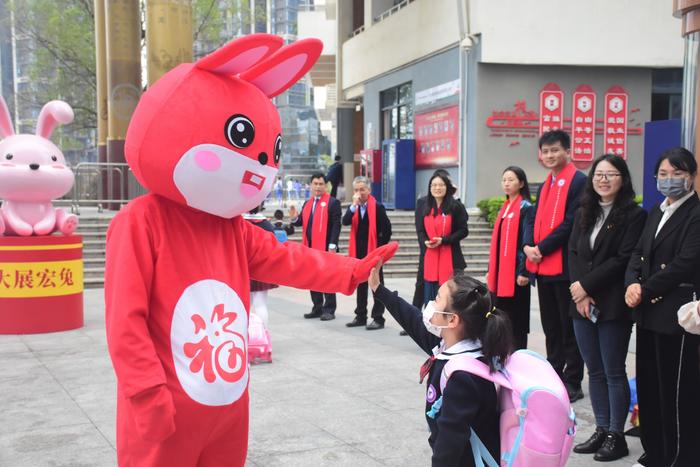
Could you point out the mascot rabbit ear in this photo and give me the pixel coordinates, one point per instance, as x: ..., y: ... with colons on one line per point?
x: 5, y: 120
x: 280, y: 71
x: 53, y: 113
x: 240, y: 54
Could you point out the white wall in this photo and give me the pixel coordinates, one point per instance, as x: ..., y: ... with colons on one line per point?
x: 578, y: 32
x: 315, y: 24
x: 640, y: 33
x: 421, y: 28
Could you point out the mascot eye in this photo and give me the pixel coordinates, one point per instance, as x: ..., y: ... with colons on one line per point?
x: 278, y: 150
x: 9, y: 156
x: 240, y: 131
x: 54, y: 158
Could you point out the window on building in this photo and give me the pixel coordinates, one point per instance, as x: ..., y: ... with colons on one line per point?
x: 397, y: 112
x: 666, y: 93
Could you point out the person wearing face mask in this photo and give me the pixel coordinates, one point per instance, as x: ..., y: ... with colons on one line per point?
x: 507, y: 277
x: 607, y: 227
x: 663, y: 275
x: 443, y: 226
x: 462, y: 320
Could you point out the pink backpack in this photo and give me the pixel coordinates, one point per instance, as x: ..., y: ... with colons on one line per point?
x: 537, y: 422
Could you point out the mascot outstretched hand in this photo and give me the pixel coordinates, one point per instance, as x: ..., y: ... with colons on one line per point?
x: 205, y: 140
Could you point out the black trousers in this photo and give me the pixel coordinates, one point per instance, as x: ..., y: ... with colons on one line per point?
x: 658, y: 384
x: 419, y: 293
x: 377, y: 308
x: 562, y: 350
x: 517, y: 308
x: 323, y: 302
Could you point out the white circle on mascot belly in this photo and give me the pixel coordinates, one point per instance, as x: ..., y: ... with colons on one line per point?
x: 201, y: 298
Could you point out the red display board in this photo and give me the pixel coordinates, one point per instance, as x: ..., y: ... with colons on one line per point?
x: 41, y: 284
x: 583, y: 126
x: 436, y: 138
x: 615, y: 123
x: 551, y: 108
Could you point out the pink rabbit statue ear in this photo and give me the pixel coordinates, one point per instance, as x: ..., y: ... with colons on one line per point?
x: 240, y: 54
x: 53, y: 113
x: 279, y: 72
x: 6, y: 128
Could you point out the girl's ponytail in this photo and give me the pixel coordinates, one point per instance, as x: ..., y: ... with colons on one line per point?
x: 497, y: 340
x: 472, y: 301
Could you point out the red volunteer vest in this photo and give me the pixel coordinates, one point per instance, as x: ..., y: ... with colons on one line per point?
x: 501, y: 278
x: 319, y: 229
x: 437, y: 265
x: 551, y: 207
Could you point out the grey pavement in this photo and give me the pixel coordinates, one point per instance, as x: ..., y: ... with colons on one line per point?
x: 333, y: 396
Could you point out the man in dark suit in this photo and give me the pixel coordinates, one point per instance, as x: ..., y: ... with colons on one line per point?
x: 320, y: 222
x: 335, y: 176
x: 370, y: 228
x: 546, y: 237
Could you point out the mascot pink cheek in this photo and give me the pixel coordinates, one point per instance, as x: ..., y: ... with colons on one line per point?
x: 207, y: 160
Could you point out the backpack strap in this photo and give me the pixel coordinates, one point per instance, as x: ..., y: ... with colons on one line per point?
x: 473, y: 366
x: 480, y: 452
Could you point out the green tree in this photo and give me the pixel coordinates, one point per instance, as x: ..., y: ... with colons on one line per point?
x: 216, y: 22
x: 60, y: 41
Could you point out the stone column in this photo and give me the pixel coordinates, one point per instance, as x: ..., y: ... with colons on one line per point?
x: 123, y: 33
x: 168, y: 36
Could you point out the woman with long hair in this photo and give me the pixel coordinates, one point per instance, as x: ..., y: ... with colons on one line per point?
x: 461, y: 321
x: 507, y: 278
x: 606, y: 229
x: 444, y: 226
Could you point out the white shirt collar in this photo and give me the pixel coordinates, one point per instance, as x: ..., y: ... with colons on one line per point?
x: 473, y: 347
x: 676, y: 204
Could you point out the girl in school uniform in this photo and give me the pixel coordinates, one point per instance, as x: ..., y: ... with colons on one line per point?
x: 461, y: 320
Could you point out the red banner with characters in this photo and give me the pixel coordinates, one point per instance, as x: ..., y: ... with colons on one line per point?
x: 583, y: 126
x: 436, y: 138
x: 615, y: 123
x: 551, y: 108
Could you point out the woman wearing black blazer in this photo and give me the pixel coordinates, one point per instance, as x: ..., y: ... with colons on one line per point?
x: 606, y: 229
x: 444, y: 226
x: 662, y: 275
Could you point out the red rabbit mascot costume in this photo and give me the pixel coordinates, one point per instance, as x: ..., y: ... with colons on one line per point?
x: 205, y: 140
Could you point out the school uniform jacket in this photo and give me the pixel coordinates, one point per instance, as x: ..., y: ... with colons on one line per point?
x: 667, y: 266
x: 469, y: 402
x: 601, y: 271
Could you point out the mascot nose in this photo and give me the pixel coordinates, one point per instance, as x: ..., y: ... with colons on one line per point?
x: 34, y: 166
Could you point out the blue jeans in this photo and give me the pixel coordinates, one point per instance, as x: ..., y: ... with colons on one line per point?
x: 603, y: 346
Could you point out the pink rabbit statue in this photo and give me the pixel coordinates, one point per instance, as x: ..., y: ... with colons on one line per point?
x: 33, y: 172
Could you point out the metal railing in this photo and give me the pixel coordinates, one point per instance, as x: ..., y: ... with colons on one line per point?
x: 105, y: 185
x: 392, y: 10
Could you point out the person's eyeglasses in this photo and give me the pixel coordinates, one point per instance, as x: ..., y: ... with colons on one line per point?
x: 598, y: 176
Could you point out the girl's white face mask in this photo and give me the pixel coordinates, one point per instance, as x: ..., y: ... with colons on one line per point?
x: 428, y: 312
